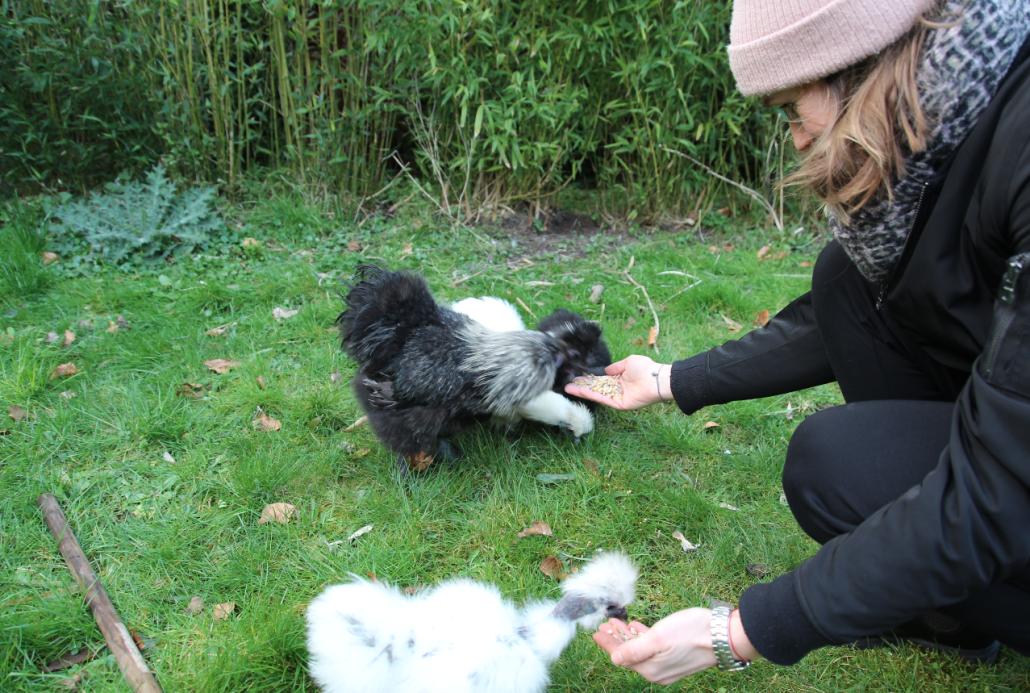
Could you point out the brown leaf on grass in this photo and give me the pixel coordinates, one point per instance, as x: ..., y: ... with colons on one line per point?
x: 758, y: 570
x: 280, y: 313
x: 552, y: 567
x: 73, y: 681
x: 419, y: 462
x: 360, y: 533
x: 69, y: 660
x: 595, y: 293
x: 69, y: 337
x: 49, y: 257
x: 731, y: 324
x: 685, y: 543
x: 354, y: 245
x: 16, y: 413
x: 167, y: 457
x: 221, y: 366
x: 251, y: 243
x: 191, y: 390
x: 804, y: 263
x: 356, y: 425
x: 52, y: 337
x: 65, y: 370
x: 195, y: 606
x: 591, y: 466
x: 264, y: 422
x: 224, y: 610
x: 85, y: 324
x: 407, y: 250
x: 68, y: 394
x: 412, y: 589
x: 538, y: 528
x: 652, y: 336
x: 630, y: 322
x: 260, y: 380
x: 763, y: 251
x: 762, y: 319
x: 335, y: 377
x: 277, y: 512
x: 710, y: 425
x: 219, y: 331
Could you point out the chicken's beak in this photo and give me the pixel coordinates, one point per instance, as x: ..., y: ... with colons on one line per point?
x: 618, y: 612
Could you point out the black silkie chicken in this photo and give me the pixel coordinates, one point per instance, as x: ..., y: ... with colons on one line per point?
x: 427, y: 371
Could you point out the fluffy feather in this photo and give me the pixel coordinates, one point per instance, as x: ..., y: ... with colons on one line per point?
x: 459, y: 637
x: 426, y: 370
x: 495, y: 314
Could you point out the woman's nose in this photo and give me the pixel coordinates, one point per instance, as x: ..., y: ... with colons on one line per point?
x: 802, y: 138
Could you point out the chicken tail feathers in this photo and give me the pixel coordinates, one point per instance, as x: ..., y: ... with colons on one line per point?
x: 382, y: 309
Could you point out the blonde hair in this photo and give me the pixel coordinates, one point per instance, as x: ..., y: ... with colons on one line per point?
x: 877, y: 123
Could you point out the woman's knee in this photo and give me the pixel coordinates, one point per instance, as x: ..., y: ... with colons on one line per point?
x: 809, y: 479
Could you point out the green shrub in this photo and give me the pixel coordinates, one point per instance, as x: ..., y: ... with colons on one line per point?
x: 133, y: 222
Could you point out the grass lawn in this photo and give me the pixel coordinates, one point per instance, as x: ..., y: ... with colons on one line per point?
x: 164, y: 490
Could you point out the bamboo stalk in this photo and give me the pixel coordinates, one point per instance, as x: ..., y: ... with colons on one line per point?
x: 119, y: 641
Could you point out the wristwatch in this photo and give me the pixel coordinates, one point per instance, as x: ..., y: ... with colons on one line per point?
x: 720, y: 625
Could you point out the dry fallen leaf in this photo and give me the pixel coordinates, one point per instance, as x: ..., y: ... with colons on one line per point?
x: 762, y: 319
x: 49, y: 257
x: 71, y: 659
x: 195, y: 606
x: 360, y: 533
x: 419, y: 462
x: 16, y: 412
x: 357, y: 424
x: 251, y: 243
x: 758, y: 570
x: 65, y: 370
x: 264, y: 422
x: 277, y: 512
x: 221, y: 366
x: 73, y: 681
x: 52, y: 337
x: 710, y: 425
x: 552, y: 567
x: 538, y: 528
x: 261, y: 382
x: 652, y: 336
x: 687, y: 545
x: 630, y: 322
x: 280, y: 313
x: 167, y: 457
x: 69, y: 337
x: 763, y: 251
x: 727, y: 506
x: 68, y: 394
x: 591, y: 466
x: 595, y: 293
x: 407, y: 250
x: 731, y: 324
x: 353, y: 246
x: 85, y: 324
x: 804, y: 263
x: 190, y: 390
x: 219, y: 331
x: 224, y: 610
x: 335, y: 377
x: 412, y: 589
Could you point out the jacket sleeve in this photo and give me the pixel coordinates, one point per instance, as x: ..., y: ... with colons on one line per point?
x: 785, y: 355
x: 963, y: 528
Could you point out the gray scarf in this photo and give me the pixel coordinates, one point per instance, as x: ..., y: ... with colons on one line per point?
x: 958, y: 74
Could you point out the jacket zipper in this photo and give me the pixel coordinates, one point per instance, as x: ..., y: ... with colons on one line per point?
x: 1006, y: 310
x: 885, y: 285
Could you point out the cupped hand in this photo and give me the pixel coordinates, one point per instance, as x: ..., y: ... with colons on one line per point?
x: 679, y: 645
x: 643, y: 382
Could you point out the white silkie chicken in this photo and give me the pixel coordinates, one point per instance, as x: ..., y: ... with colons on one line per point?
x: 459, y: 637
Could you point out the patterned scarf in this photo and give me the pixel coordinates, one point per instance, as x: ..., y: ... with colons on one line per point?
x: 958, y: 74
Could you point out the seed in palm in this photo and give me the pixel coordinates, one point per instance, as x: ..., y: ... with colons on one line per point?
x: 601, y: 384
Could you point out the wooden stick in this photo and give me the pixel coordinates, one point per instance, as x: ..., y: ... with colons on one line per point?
x: 130, y: 661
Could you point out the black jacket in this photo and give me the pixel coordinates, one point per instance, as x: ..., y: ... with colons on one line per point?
x: 960, y: 295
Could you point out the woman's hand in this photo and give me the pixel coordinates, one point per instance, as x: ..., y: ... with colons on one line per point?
x: 642, y: 380
x: 679, y: 645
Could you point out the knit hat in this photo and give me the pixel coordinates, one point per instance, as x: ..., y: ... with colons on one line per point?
x: 779, y: 44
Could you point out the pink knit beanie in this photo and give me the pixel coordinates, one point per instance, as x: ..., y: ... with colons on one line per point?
x: 777, y: 44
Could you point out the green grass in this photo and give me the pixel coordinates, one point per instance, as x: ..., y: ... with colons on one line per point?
x: 159, y: 533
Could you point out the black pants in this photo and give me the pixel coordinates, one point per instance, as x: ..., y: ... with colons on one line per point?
x: 846, y: 462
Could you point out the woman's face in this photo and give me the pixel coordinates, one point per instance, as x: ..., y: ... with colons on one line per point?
x: 809, y: 109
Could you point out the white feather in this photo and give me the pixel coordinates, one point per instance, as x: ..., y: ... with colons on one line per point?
x: 460, y: 637
x: 495, y: 314
x: 555, y: 410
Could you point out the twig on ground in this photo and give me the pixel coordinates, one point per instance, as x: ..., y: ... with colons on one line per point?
x: 654, y: 313
x: 527, y: 308
x: 119, y: 641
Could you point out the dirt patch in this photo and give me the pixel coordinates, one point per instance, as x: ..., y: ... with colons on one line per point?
x: 557, y: 233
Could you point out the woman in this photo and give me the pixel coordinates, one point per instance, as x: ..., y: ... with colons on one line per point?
x: 913, y: 122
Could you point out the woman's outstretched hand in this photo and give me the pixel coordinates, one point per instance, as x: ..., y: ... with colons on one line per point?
x: 642, y: 382
x: 679, y: 645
